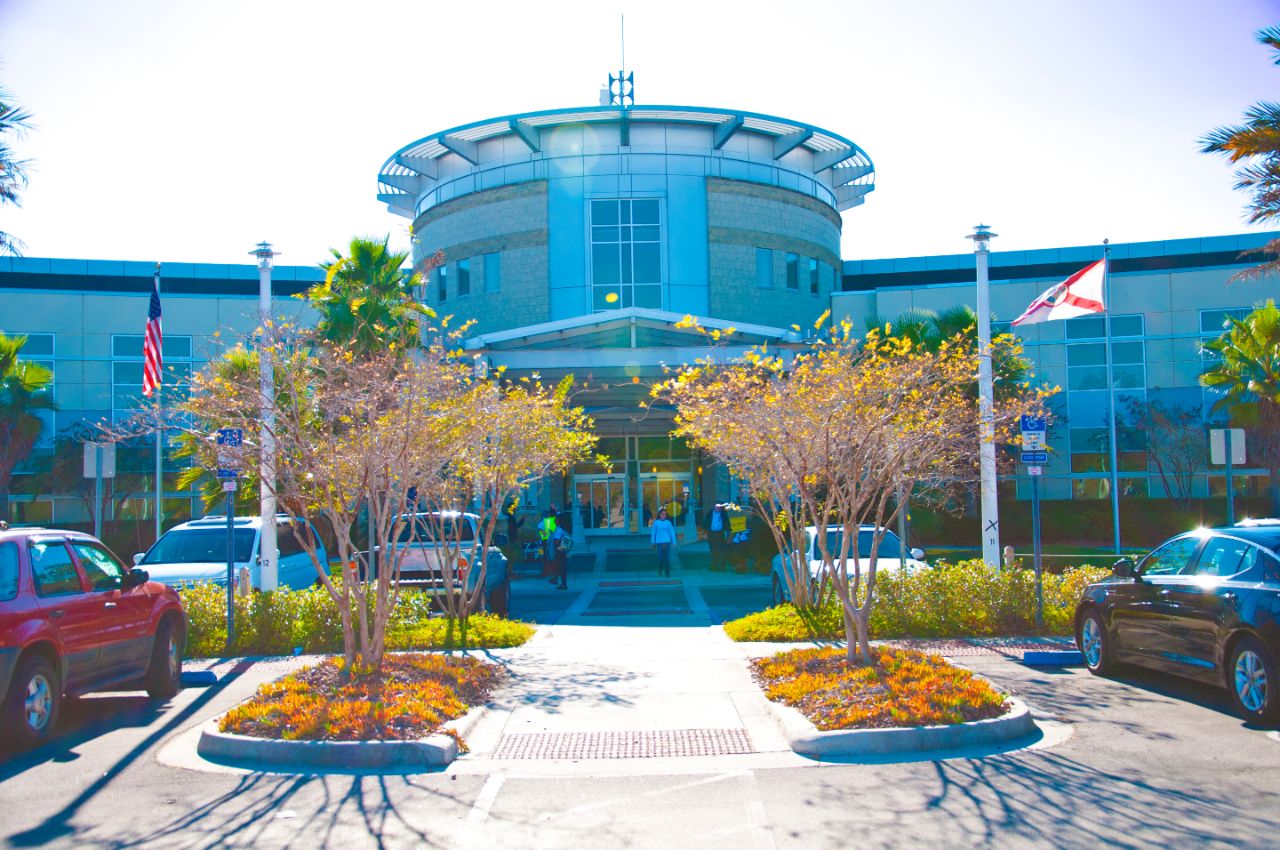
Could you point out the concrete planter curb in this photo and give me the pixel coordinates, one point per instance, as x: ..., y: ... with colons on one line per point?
x: 807, y: 740
x: 436, y: 750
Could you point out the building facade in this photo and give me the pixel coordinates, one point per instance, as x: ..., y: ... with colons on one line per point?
x: 576, y: 241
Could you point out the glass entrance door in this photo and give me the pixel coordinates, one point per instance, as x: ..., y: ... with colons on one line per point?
x: 664, y: 490
x: 601, y: 501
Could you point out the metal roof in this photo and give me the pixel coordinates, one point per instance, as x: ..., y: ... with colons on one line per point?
x: 410, y: 171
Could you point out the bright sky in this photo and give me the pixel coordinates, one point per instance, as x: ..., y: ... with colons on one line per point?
x: 188, y: 131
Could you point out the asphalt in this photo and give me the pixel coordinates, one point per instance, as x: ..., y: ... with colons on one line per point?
x: 1137, y: 761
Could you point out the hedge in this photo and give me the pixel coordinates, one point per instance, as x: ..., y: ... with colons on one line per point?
x: 966, y: 599
x: 277, y: 622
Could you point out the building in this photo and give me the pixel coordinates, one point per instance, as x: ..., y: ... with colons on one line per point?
x: 577, y: 240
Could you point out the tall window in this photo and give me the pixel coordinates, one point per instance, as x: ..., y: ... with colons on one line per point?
x: 464, y: 277
x: 39, y: 350
x: 442, y: 283
x: 815, y: 285
x: 793, y: 271
x: 626, y: 254
x: 492, y: 272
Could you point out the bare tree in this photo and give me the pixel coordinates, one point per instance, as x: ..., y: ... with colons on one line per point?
x: 826, y: 440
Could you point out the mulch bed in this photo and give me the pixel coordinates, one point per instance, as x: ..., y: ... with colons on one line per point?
x: 409, y: 698
x: 902, y: 688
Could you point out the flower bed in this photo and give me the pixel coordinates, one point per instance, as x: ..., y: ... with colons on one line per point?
x: 410, y: 698
x: 902, y: 689
x: 967, y: 599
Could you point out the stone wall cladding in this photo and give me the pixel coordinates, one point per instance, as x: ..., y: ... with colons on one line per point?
x: 744, y: 216
x: 510, y: 221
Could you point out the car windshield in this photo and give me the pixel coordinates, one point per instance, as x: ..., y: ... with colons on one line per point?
x: 888, y: 546
x: 200, y: 545
x: 424, y: 530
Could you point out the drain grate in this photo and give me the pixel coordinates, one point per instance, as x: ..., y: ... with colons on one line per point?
x: 565, y: 746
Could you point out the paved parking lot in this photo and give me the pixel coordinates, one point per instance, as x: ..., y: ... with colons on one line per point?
x: 1133, y: 762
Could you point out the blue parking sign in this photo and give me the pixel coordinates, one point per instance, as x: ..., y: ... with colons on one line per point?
x: 1034, y: 423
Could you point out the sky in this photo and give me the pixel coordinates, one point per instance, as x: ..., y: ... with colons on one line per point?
x: 186, y: 131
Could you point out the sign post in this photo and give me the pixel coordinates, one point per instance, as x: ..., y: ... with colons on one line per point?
x: 99, y: 463
x: 1227, y: 447
x: 1035, y: 451
x: 230, y: 441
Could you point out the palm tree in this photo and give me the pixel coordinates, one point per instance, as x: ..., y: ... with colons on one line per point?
x: 13, y: 172
x: 1247, y: 372
x: 23, y: 386
x: 929, y: 329
x: 367, y: 299
x: 1256, y: 143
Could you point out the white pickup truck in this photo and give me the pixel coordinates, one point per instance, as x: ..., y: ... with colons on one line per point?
x: 889, y: 557
x: 421, y: 553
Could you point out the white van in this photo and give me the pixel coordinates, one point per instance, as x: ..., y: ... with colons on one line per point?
x: 196, y: 551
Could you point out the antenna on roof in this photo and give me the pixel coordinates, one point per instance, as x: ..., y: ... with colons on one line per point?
x: 622, y: 89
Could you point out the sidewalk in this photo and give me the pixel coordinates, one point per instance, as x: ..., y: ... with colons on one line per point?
x: 624, y: 684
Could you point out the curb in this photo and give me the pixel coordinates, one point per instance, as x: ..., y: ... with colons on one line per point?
x: 1053, y: 658
x: 198, y: 678
x: 807, y: 740
x: 436, y: 750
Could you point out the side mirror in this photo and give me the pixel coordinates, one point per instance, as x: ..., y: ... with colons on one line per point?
x: 137, y: 557
x: 917, y: 553
x: 1124, y: 568
x: 136, y: 577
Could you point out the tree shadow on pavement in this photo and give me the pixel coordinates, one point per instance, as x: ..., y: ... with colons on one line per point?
x: 80, y: 721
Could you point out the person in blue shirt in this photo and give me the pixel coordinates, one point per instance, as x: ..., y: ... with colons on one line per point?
x: 662, y: 534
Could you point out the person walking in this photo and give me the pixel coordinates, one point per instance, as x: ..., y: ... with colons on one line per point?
x: 559, y: 544
x: 662, y: 534
x: 717, y: 535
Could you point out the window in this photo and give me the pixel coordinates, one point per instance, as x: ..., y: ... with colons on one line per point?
x: 1225, y: 556
x: 288, y: 543
x: 764, y: 268
x: 1086, y: 365
x: 442, y: 284
x: 1095, y: 327
x: 103, y: 571
x: 464, y: 277
x: 201, y: 545
x: 815, y: 285
x: 492, y: 272
x: 1171, y: 558
x: 793, y: 271
x: 8, y: 571
x: 52, y: 568
x: 1215, y: 321
x: 626, y: 254
x: 130, y: 345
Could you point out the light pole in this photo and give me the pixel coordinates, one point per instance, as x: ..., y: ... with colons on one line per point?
x: 267, y: 561
x: 981, y: 236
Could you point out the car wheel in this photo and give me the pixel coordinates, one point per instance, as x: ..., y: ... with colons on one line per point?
x: 500, y: 600
x: 1254, y: 683
x: 30, y: 711
x: 1095, y: 644
x: 779, y: 595
x: 164, y: 675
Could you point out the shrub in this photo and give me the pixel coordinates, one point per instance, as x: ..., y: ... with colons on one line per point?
x: 275, y: 623
x: 901, y: 688
x: 410, y: 697
x: 967, y: 599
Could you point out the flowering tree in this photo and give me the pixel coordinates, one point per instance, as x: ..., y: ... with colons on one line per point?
x: 827, y: 436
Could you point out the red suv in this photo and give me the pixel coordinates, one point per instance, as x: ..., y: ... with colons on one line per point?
x: 74, y: 620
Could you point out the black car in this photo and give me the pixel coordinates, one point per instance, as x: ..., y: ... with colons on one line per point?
x: 1205, y: 605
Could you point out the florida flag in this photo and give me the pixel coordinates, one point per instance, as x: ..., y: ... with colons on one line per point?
x: 1078, y: 295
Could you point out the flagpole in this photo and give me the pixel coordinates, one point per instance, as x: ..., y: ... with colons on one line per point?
x: 159, y: 511
x: 1111, y: 395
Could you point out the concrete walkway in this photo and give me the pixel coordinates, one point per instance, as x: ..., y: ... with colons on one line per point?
x: 632, y: 674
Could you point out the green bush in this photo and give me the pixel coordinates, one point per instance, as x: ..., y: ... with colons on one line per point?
x: 275, y: 623
x: 967, y: 599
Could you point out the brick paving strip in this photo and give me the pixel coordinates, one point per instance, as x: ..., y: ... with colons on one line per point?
x: 561, y: 746
x: 961, y: 647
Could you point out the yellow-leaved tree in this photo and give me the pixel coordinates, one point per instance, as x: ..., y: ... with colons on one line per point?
x: 826, y: 435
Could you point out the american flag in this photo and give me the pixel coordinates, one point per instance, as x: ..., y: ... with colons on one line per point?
x: 151, y: 346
